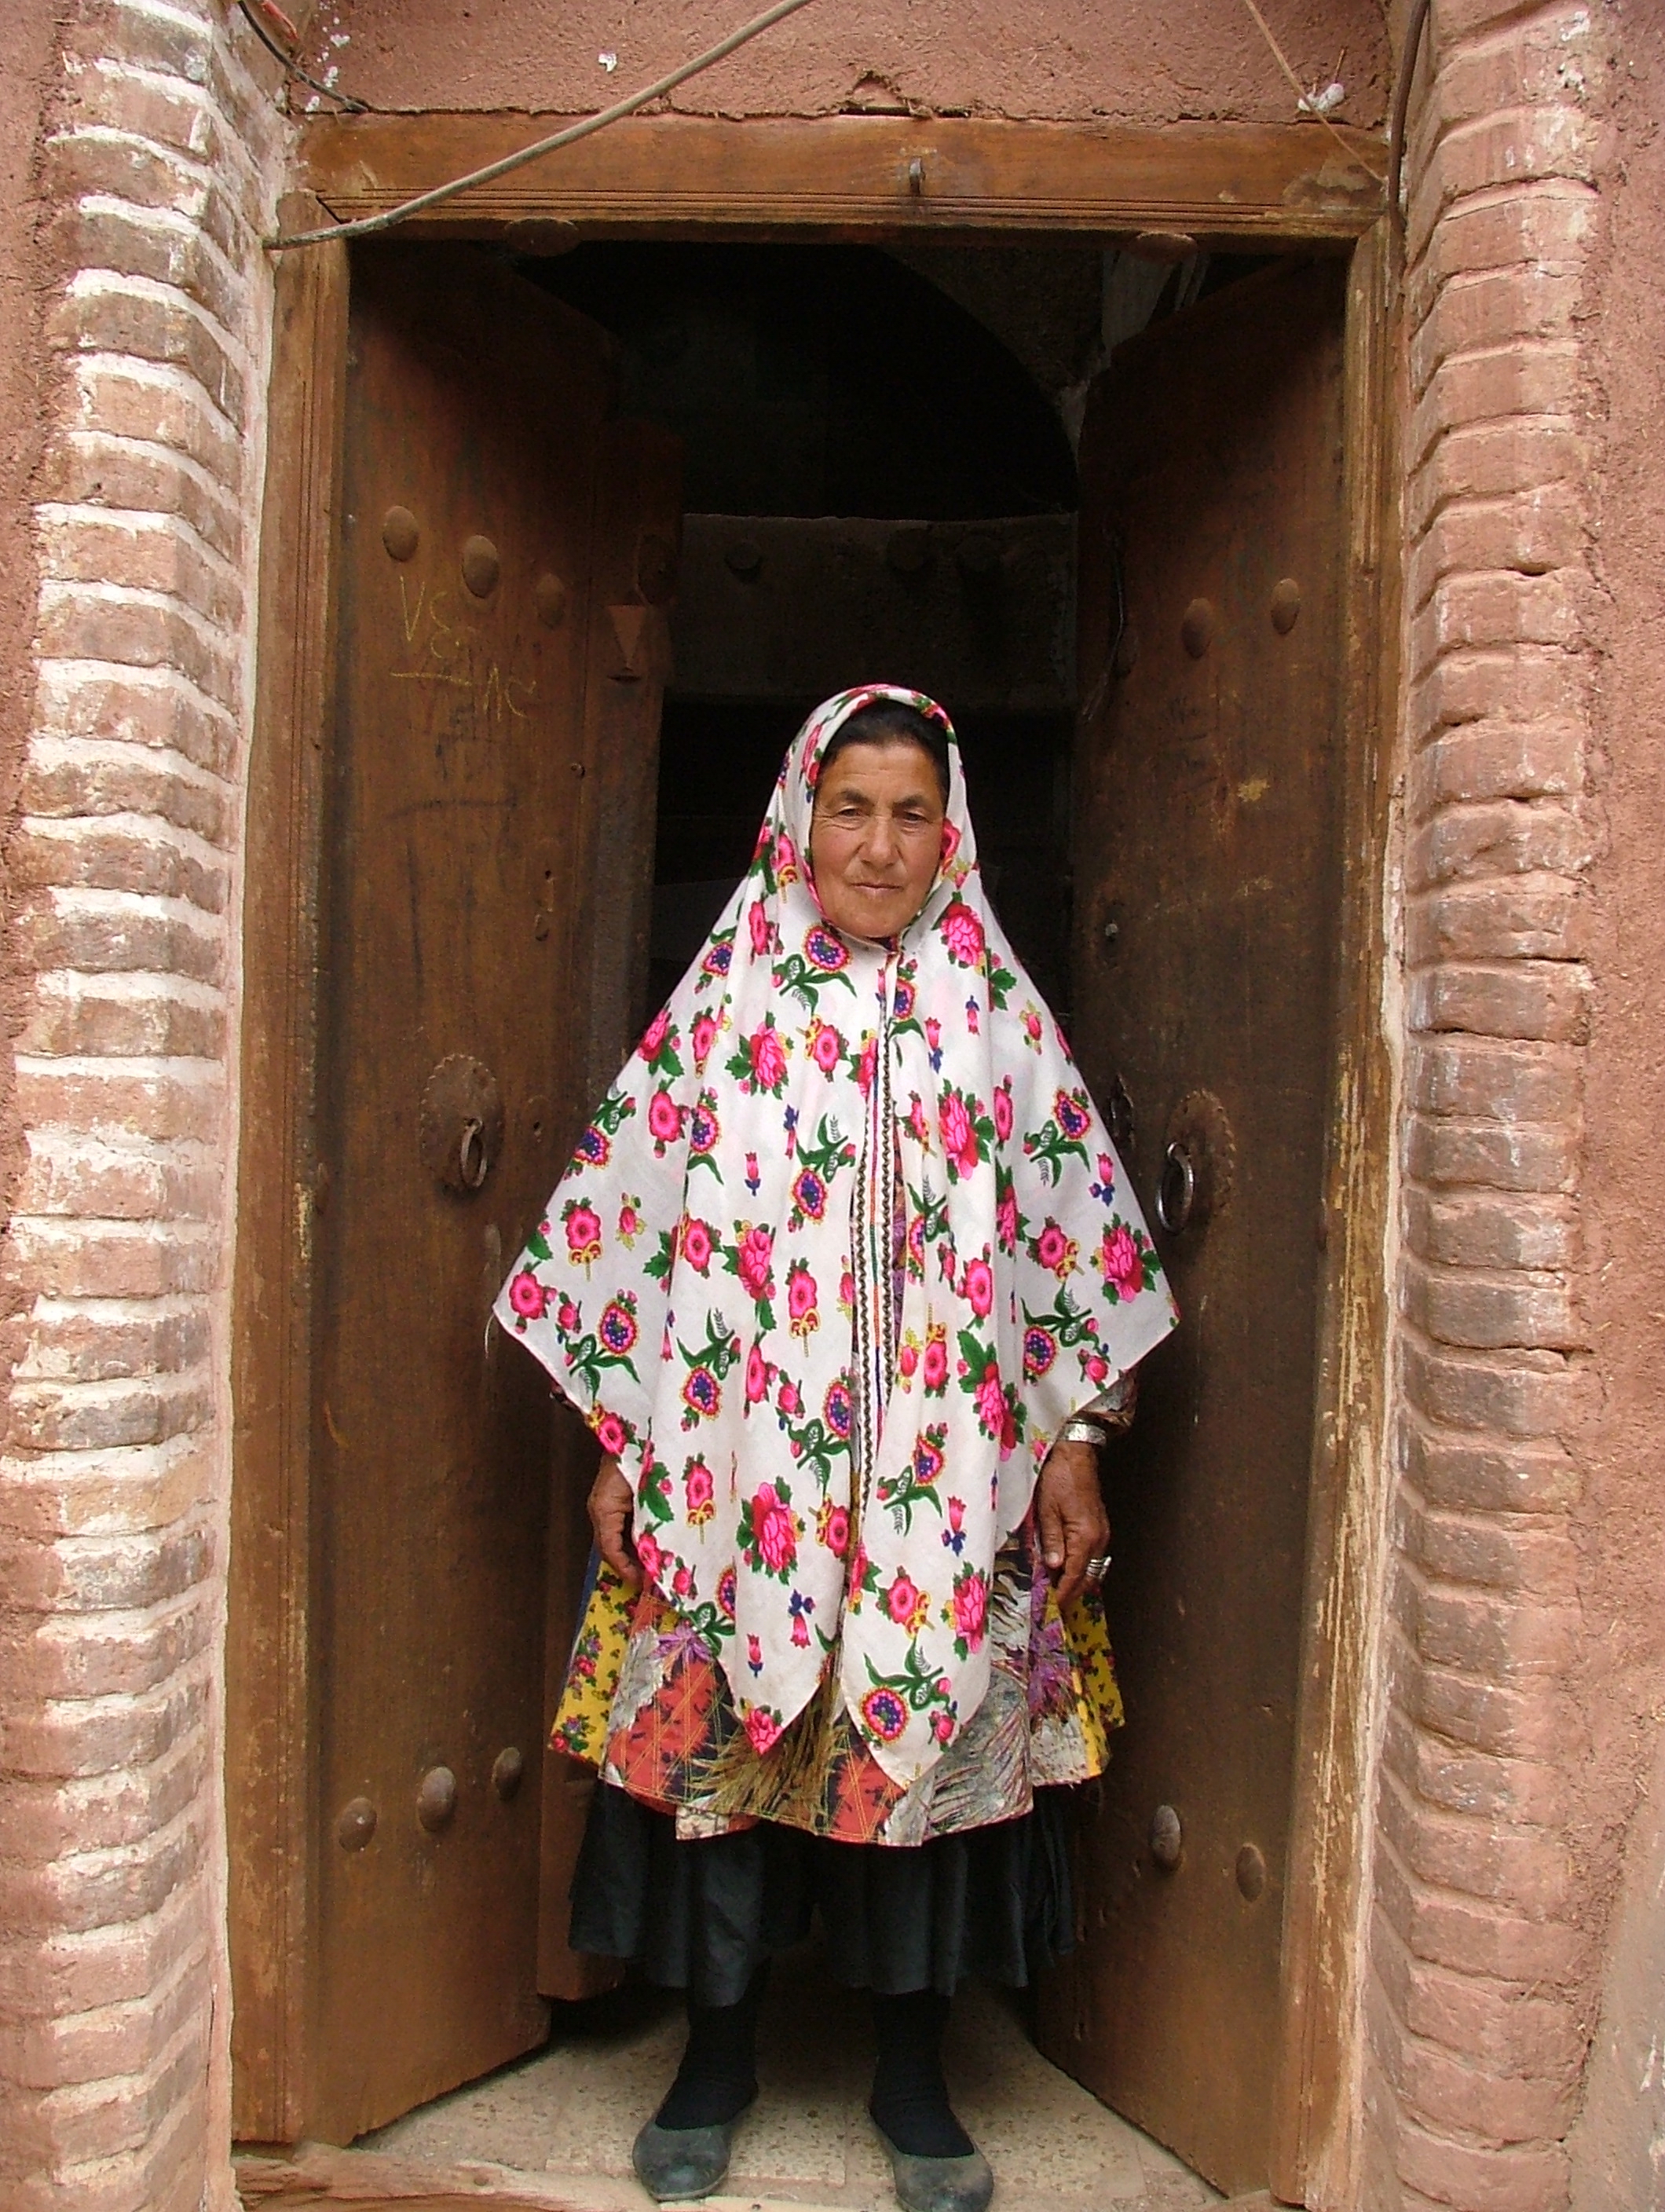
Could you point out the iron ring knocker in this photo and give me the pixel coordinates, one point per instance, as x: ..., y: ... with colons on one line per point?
x: 1176, y: 1189
x: 473, y: 1161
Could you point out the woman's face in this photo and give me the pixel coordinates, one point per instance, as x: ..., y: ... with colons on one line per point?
x: 876, y: 837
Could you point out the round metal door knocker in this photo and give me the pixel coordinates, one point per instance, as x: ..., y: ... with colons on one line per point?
x: 1199, y: 1166
x: 461, y: 1125
x: 1176, y: 1191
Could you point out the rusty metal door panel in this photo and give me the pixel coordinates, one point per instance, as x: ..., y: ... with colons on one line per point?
x: 1207, y: 886
x: 475, y: 414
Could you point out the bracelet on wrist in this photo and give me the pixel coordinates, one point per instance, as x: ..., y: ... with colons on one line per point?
x: 1082, y: 1431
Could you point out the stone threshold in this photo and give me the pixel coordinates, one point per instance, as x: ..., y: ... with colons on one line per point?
x: 319, y: 2174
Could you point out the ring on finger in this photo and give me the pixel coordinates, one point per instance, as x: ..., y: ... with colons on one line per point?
x: 1098, y: 1566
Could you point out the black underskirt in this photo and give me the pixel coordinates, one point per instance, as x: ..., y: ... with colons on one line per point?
x: 701, y: 1914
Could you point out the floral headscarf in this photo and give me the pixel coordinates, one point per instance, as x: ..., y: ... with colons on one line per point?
x: 844, y: 1246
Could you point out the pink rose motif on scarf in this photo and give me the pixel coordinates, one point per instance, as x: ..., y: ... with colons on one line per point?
x: 832, y: 1527
x: 700, y: 1492
x: 696, y: 1241
x: 969, y: 1609
x: 1054, y: 1251
x: 583, y: 1226
x: 826, y: 1045
x: 906, y: 1603
x: 1122, y: 1261
x: 648, y: 1553
x: 759, y: 1376
x: 611, y: 1435
x: 963, y: 933
x: 961, y: 1122
x: 768, y: 1531
x: 768, y: 1059
x: 756, y: 1261
x: 801, y: 1301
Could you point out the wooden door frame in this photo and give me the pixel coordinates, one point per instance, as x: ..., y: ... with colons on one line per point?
x: 1236, y: 187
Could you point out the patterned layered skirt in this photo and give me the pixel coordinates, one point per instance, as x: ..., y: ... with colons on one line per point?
x: 969, y: 1872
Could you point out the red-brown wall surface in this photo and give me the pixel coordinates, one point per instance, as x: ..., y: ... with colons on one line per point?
x: 28, y: 82
x: 1138, y: 61
x: 1522, y: 1668
x: 133, y: 378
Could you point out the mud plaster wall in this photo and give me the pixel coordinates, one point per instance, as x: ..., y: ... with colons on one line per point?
x: 133, y: 372
x: 28, y: 78
x: 1620, y: 2147
x: 1524, y: 1638
x: 1138, y: 61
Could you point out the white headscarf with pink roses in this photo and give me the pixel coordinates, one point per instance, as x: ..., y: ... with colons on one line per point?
x: 843, y: 1248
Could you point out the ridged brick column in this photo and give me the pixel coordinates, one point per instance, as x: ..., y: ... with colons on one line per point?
x: 123, y: 874
x: 1478, y: 1973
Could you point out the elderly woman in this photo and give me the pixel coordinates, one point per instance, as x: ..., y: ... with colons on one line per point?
x: 846, y: 1278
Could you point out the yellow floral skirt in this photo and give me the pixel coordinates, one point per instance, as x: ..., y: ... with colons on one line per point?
x: 646, y: 1704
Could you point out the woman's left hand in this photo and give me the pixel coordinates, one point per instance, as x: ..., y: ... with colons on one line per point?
x: 1070, y: 1512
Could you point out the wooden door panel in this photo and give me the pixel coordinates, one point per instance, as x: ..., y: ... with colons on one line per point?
x: 475, y: 422
x: 1208, y: 885
x: 638, y: 528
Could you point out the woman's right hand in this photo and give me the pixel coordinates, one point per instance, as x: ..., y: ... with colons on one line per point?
x: 612, y: 1502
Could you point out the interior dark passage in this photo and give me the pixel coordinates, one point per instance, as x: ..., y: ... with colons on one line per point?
x: 877, y: 487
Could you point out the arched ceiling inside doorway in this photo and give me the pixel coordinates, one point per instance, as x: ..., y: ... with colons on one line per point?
x: 831, y: 380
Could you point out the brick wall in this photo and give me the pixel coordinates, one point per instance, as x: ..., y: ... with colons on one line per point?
x: 123, y: 874
x: 1477, y: 1998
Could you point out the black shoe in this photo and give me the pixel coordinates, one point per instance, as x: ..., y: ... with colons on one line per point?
x: 939, y: 2185
x: 674, y: 2165
x: 683, y: 2150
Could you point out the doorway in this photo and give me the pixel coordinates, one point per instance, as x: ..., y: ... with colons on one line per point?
x: 832, y: 526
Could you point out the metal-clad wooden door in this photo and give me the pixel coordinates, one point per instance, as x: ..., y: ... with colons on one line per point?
x: 481, y: 528
x: 1207, y: 883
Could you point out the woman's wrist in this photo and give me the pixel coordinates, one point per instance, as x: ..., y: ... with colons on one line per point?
x: 1111, y: 1412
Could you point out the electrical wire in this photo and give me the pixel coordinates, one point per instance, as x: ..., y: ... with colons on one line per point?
x: 292, y: 68
x: 367, y: 225
x: 1303, y: 97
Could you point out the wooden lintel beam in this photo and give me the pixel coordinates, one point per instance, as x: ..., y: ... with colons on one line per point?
x: 1223, y: 182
